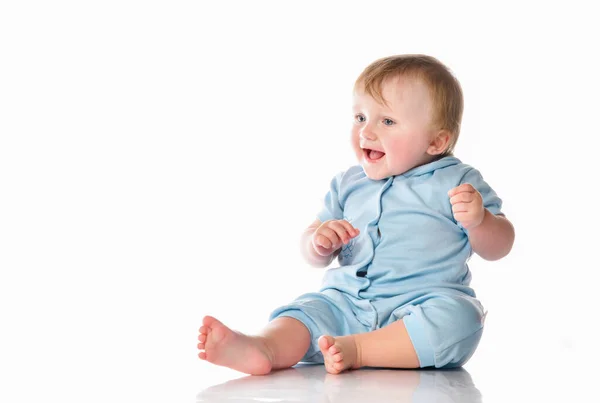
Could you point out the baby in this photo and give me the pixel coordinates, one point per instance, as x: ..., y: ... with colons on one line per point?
x: 402, y: 224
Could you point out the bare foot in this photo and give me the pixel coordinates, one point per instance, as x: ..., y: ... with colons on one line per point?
x: 340, y: 353
x: 228, y: 348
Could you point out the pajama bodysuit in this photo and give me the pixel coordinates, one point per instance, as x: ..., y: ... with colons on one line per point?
x: 409, y: 262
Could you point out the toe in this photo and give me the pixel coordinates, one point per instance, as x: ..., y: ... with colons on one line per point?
x: 338, y: 357
x: 202, y: 338
x: 209, y: 321
x: 325, y: 342
x: 202, y: 355
x: 201, y: 346
x: 334, y: 349
x: 204, y: 330
x: 333, y: 370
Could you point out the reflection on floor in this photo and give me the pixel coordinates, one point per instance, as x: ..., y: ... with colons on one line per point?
x: 311, y: 383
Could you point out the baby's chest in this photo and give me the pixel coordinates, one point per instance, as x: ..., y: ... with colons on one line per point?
x: 400, y: 209
x: 362, y: 211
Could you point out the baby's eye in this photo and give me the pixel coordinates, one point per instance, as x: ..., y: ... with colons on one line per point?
x: 388, y: 122
x: 359, y: 118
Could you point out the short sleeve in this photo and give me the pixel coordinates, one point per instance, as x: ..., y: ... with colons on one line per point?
x: 491, y: 201
x: 332, y: 209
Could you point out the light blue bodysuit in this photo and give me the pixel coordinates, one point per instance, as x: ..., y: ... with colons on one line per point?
x: 408, y: 262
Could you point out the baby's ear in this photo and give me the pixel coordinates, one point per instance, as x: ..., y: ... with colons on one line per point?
x: 439, y: 143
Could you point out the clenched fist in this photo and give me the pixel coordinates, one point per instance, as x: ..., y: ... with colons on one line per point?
x: 467, y: 205
x: 330, y: 236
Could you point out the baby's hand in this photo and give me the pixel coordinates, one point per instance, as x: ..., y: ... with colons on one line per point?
x: 467, y: 205
x: 330, y: 236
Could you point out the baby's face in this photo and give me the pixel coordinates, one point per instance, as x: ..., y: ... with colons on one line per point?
x: 390, y: 140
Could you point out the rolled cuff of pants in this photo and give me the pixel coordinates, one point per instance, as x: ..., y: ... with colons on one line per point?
x: 420, y: 339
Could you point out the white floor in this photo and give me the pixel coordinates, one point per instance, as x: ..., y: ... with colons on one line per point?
x: 488, y: 383
x: 311, y: 383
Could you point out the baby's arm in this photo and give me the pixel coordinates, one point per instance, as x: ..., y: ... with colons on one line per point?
x: 322, y: 242
x: 491, y: 236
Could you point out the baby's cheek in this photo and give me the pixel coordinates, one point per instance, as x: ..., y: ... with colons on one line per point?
x: 354, y: 140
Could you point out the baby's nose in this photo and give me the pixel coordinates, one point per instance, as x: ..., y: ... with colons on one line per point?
x: 367, y: 135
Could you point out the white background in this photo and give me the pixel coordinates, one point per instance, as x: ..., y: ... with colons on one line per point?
x: 159, y: 161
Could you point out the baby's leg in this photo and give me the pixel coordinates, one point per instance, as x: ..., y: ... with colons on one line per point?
x: 388, y: 347
x: 281, y: 344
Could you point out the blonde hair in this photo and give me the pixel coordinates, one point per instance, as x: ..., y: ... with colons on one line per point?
x: 445, y: 90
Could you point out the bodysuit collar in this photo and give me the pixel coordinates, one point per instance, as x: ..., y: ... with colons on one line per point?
x: 432, y: 166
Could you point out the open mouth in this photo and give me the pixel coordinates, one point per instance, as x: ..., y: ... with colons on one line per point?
x: 373, y: 155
